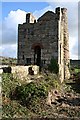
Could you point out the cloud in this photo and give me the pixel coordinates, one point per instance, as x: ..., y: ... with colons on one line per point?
x: 79, y: 30
x: 9, y: 50
x: 79, y: 48
x: 1, y: 49
x: 72, y: 11
x: 10, y: 26
x: 73, y: 48
x: 39, y: 13
x: 10, y: 31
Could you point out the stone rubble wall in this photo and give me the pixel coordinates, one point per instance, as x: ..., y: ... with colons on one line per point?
x: 51, y: 32
x: 43, y: 32
x: 25, y: 69
x: 63, y: 45
x: 66, y: 44
x: 21, y: 72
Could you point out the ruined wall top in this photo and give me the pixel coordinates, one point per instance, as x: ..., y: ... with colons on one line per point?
x: 30, y: 18
x: 46, y: 16
x: 58, y: 9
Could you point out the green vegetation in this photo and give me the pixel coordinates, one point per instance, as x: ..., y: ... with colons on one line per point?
x: 22, y: 99
x: 53, y: 66
x: 74, y: 70
x: 77, y: 70
x: 8, y: 61
x: 28, y: 100
x: 29, y: 93
x: 19, y: 98
x: 8, y: 83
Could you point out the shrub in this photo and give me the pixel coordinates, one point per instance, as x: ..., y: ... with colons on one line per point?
x: 8, y: 83
x: 53, y: 66
x: 30, y: 93
x: 53, y: 81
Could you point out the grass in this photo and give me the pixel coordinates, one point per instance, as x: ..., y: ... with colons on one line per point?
x: 77, y: 70
x: 8, y: 61
x: 28, y: 100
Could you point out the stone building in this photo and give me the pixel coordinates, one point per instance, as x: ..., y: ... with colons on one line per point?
x: 45, y: 38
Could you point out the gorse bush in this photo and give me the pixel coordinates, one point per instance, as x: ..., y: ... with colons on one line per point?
x: 53, y: 66
x: 29, y: 92
x: 52, y: 81
x: 8, y: 83
x: 26, y: 99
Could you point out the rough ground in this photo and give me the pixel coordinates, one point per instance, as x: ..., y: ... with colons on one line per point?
x: 65, y: 104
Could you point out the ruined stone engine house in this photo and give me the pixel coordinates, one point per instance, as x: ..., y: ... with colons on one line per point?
x: 46, y: 38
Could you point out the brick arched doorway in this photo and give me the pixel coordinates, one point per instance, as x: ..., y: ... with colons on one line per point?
x: 37, y: 53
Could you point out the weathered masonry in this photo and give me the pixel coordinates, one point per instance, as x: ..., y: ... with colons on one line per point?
x: 46, y: 38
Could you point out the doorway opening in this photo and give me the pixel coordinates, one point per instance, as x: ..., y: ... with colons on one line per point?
x: 37, y: 55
